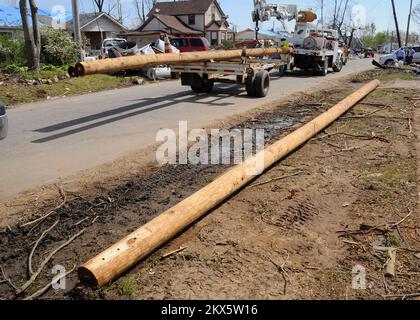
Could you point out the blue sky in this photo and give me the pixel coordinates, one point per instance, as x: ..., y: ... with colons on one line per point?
x: 239, y: 11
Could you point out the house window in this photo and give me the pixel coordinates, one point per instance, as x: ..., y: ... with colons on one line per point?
x: 213, y: 13
x: 191, y: 19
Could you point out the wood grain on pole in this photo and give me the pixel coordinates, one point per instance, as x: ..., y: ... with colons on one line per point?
x: 145, y: 61
x: 121, y: 256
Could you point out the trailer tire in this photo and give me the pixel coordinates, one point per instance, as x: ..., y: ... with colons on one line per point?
x: 250, y: 85
x: 175, y: 75
x: 262, y: 83
x: 205, y: 86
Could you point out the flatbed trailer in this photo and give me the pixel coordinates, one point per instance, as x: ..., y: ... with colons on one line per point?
x: 253, y: 73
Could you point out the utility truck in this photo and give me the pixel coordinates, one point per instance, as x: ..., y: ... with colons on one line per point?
x: 315, y: 49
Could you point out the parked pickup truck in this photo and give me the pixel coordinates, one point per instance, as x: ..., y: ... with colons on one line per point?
x: 389, y: 59
x: 3, y: 122
x: 190, y: 44
x: 109, y: 43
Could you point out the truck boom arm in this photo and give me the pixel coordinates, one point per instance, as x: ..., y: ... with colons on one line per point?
x: 283, y: 12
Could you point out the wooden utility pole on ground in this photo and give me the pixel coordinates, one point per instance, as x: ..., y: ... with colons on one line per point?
x: 408, y: 24
x: 396, y: 24
x: 76, y: 26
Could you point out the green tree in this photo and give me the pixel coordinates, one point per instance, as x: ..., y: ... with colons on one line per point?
x: 58, y: 48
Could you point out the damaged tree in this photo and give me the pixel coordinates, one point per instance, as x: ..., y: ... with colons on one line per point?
x: 143, y: 6
x: 31, y: 34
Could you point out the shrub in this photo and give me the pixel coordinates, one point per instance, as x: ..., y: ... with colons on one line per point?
x: 13, y: 68
x: 12, y: 50
x: 227, y: 44
x: 58, y: 48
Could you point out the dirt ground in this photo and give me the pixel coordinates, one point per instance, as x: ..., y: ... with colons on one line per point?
x: 353, y: 192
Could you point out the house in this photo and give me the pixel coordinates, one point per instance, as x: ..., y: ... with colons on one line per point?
x: 185, y: 18
x: 96, y: 27
x: 11, y: 21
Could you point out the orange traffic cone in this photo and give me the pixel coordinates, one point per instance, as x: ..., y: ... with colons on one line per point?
x: 168, y: 46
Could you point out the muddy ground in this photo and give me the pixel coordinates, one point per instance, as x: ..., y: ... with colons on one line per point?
x: 355, y: 191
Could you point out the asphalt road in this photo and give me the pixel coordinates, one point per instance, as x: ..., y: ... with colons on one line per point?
x: 55, y: 139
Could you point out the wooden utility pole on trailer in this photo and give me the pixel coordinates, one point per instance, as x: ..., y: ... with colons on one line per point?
x: 408, y: 23
x: 396, y: 24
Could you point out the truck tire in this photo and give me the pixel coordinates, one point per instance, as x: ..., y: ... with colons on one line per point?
x: 337, y: 67
x: 324, y: 70
x: 250, y: 85
x: 390, y: 63
x: 262, y: 83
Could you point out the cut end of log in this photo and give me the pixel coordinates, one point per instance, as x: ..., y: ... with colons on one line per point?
x: 80, y: 69
x: 87, y: 277
x: 72, y: 71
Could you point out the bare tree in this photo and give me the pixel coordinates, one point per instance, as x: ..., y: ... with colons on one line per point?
x: 143, y: 7
x: 416, y: 13
x: 31, y: 33
x: 338, y: 17
x: 99, y: 5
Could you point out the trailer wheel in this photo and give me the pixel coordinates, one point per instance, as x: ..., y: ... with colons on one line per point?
x: 175, y: 75
x: 250, y: 85
x: 262, y: 83
x: 205, y: 86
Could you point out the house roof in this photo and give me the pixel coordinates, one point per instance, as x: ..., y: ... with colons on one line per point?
x: 88, y: 18
x: 184, y: 7
x: 171, y: 22
x: 10, y: 16
x: 218, y: 23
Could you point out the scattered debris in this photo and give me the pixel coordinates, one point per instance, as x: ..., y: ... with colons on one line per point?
x: 275, y: 179
x: 167, y: 255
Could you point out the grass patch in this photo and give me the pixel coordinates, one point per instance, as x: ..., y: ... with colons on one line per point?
x: 398, y: 96
x: 393, y: 177
x: 390, y: 76
x: 127, y: 286
x: 47, y: 71
x: 393, y: 241
x: 18, y: 93
x: 382, y: 75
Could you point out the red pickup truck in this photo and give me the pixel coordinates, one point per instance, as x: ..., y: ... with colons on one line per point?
x: 190, y: 44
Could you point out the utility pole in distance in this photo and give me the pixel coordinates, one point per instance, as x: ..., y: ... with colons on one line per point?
x: 396, y: 24
x: 76, y: 26
x: 408, y: 23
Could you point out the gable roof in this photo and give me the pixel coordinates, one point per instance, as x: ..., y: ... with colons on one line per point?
x: 88, y: 18
x: 10, y: 16
x: 184, y: 7
x: 219, y: 23
x: 171, y: 22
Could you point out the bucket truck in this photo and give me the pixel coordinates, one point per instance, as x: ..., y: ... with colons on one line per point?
x: 314, y: 49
